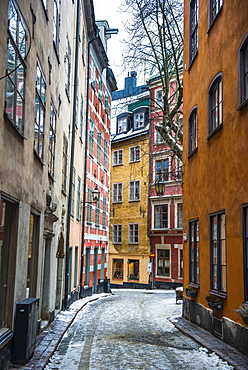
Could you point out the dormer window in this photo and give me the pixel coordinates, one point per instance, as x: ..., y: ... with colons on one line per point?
x: 139, y: 120
x: 122, y: 125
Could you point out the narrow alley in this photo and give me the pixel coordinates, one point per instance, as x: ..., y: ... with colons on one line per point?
x: 131, y: 329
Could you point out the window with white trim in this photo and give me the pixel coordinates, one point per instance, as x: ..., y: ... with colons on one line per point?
x: 117, y: 192
x: 162, y: 170
x: 134, y: 190
x: 161, y: 216
x: 122, y: 125
x: 139, y: 120
x: 133, y: 233
x: 117, y: 157
x: 163, y: 262
x: 134, y: 153
x: 117, y: 234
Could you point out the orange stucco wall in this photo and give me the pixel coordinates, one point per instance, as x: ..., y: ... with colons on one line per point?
x: 215, y: 176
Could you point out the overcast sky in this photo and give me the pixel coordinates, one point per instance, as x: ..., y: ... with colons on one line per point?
x: 108, y: 10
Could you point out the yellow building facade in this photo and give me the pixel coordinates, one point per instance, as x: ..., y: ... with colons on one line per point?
x: 129, y: 246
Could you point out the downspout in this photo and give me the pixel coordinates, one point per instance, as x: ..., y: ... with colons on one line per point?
x: 85, y: 164
x: 68, y: 223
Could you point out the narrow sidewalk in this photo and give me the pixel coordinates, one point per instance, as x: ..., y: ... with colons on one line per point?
x: 48, y: 340
x: 234, y: 358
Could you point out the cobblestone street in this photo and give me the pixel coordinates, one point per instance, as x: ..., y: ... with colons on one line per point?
x: 130, y: 330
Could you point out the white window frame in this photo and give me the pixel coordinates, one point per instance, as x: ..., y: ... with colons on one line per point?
x: 164, y: 247
x: 117, y: 191
x: 138, y: 123
x: 118, y: 155
x: 134, y: 154
x: 135, y: 184
x: 177, y: 201
x: 161, y: 202
x: 122, y: 125
x: 118, y: 234
x: 134, y: 228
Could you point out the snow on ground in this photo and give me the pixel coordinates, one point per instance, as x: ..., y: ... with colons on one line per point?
x: 130, y: 330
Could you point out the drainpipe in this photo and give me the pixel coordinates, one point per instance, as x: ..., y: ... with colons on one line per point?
x: 85, y: 163
x: 65, y: 300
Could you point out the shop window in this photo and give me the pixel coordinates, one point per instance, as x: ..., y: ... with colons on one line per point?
x: 194, y: 252
x: 118, y: 269
x: 133, y: 269
x: 32, y: 256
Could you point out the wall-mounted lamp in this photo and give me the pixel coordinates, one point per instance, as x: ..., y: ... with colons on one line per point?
x: 159, y: 187
x: 95, y: 195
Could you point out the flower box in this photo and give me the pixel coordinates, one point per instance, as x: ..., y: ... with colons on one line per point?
x: 217, y: 306
x: 191, y: 293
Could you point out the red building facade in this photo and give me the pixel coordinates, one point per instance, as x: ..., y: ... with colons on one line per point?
x: 96, y: 212
x: 165, y: 208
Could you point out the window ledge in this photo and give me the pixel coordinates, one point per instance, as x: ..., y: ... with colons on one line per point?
x: 193, y: 152
x: 243, y: 104
x: 214, y: 131
x: 5, y: 336
x: 161, y: 228
x: 218, y: 294
x: 194, y: 285
x: 14, y: 126
x: 39, y: 159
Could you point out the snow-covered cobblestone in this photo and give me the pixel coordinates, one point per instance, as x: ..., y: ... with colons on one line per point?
x: 130, y: 330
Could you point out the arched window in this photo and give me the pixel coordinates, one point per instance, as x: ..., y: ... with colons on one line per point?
x: 215, y: 104
x: 193, y: 128
x: 243, y: 70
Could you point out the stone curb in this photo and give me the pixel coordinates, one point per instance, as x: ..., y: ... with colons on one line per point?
x: 213, y: 344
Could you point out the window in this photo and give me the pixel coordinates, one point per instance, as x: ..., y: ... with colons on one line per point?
x: 118, y: 269
x: 104, y: 214
x: 15, y: 81
x: 33, y: 252
x: 134, y: 190
x: 79, y: 199
x: 180, y: 261
x: 81, y: 119
x: 73, y: 184
x: 65, y: 164
x: 161, y: 216
x: 89, y: 206
x: 218, y: 251
x: 117, y: 192
x: 97, y: 213
x: 52, y: 140
x: 68, y: 67
x: 163, y: 262
x: 243, y: 70
x: 162, y: 170
x: 56, y: 24
x: 40, y: 101
x: 158, y: 137
x: 214, y: 9
x: 91, y: 138
x: 133, y: 233
x: 133, y: 269
x: 193, y: 46
x: 134, y: 154
x: 44, y: 3
x: 117, y: 234
x: 245, y: 249
x: 99, y: 146
x: 194, y: 252
x: 122, y: 125
x: 159, y: 98
x: 106, y: 103
x: 105, y: 149
x: 193, y: 129
x: 179, y: 215
x: 139, y: 120
x: 87, y: 267
x: 215, y: 97
x: 117, y: 157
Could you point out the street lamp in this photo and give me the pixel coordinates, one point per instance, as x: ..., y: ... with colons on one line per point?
x: 159, y: 187
x: 95, y: 195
